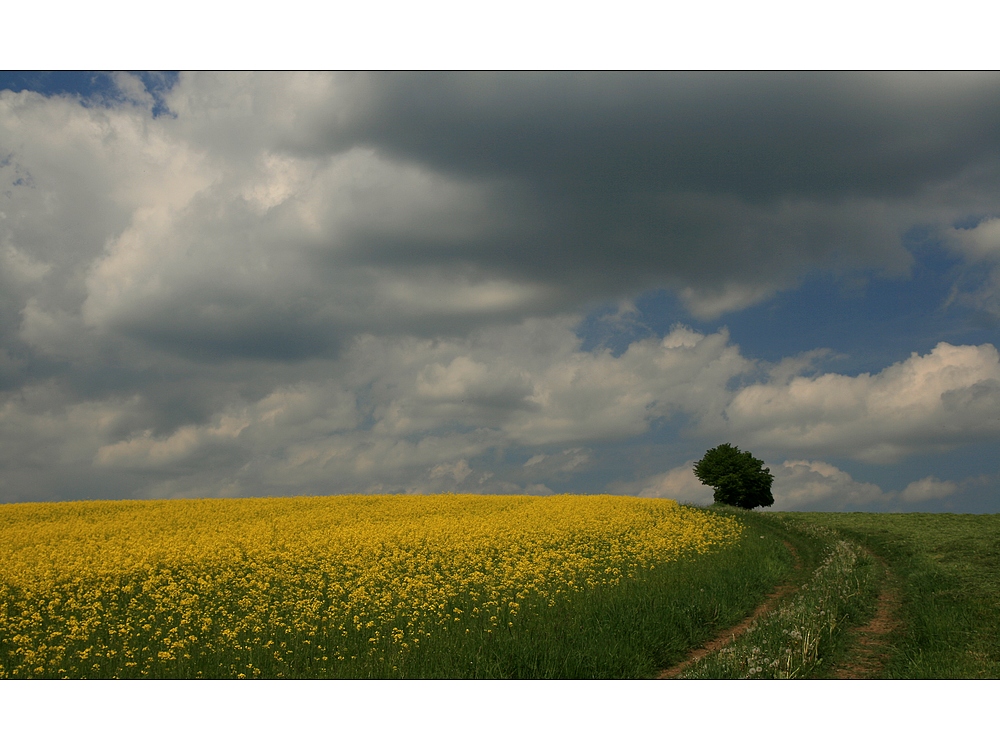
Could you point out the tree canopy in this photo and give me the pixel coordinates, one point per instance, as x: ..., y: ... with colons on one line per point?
x: 738, y: 478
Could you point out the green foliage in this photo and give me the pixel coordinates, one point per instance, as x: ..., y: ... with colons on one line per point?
x: 738, y: 478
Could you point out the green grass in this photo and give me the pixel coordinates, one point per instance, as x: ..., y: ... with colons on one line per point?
x: 948, y: 568
x: 796, y: 639
x: 835, y: 588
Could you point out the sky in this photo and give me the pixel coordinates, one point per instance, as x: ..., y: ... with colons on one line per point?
x: 240, y: 284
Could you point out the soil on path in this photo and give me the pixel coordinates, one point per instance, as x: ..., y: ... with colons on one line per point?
x: 867, y: 655
x: 727, y: 636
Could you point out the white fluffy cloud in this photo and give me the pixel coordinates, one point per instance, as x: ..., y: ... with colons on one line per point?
x: 817, y: 485
x: 928, y: 488
x: 414, y: 414
x: 981, y: 242
x: 980, y: 245
x: 948, y: 397
x: 798, y: 485
x: 677, y: 484
x: 802, y: 485
x: 393, y: 406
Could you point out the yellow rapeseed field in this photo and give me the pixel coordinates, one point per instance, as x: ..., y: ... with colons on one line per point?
x: 284, y: 587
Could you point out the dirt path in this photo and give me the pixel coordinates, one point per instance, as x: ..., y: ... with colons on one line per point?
x: 867, y: 656
x: 726, y: 636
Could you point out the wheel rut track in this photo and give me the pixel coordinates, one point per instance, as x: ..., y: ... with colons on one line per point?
x: 726, y: 636
x: 865, y: 658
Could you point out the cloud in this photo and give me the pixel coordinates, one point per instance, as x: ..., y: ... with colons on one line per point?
x: 946, y: 398
x: 817, y: 485
x: 264, y: 262
x: 415, y: 414
x: 309, y: 282
x: 358, y: 203
x: 146, y: 451
x: 677, y: 484
x: 403, y: 411
x: 276, y: 215
x: 928, y: 488
x: 459, y: 471
x: 981, y: 242
x: 21, y: 269
x: 979, y: 286
x: 799, y: 485
x: 534, y: 385
x: 719, y: 186
x: 568, y: 461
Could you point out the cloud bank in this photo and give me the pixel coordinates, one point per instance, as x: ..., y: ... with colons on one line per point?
x: 285, y: 283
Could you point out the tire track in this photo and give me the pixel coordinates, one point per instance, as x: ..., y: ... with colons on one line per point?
x: 726, y: 636
x: 866, y: 657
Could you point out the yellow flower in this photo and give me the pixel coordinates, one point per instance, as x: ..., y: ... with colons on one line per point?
x: 223, y: 578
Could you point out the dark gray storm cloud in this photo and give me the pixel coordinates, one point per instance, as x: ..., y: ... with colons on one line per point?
x: 253, y: 283
x: 728, y: 186
x: 758, y: 136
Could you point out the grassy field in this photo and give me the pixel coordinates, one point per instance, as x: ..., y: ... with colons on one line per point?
x: 943, y: 569
x: 948, y: 568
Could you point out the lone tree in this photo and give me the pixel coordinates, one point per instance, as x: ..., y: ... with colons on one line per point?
x: 738, y: 478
